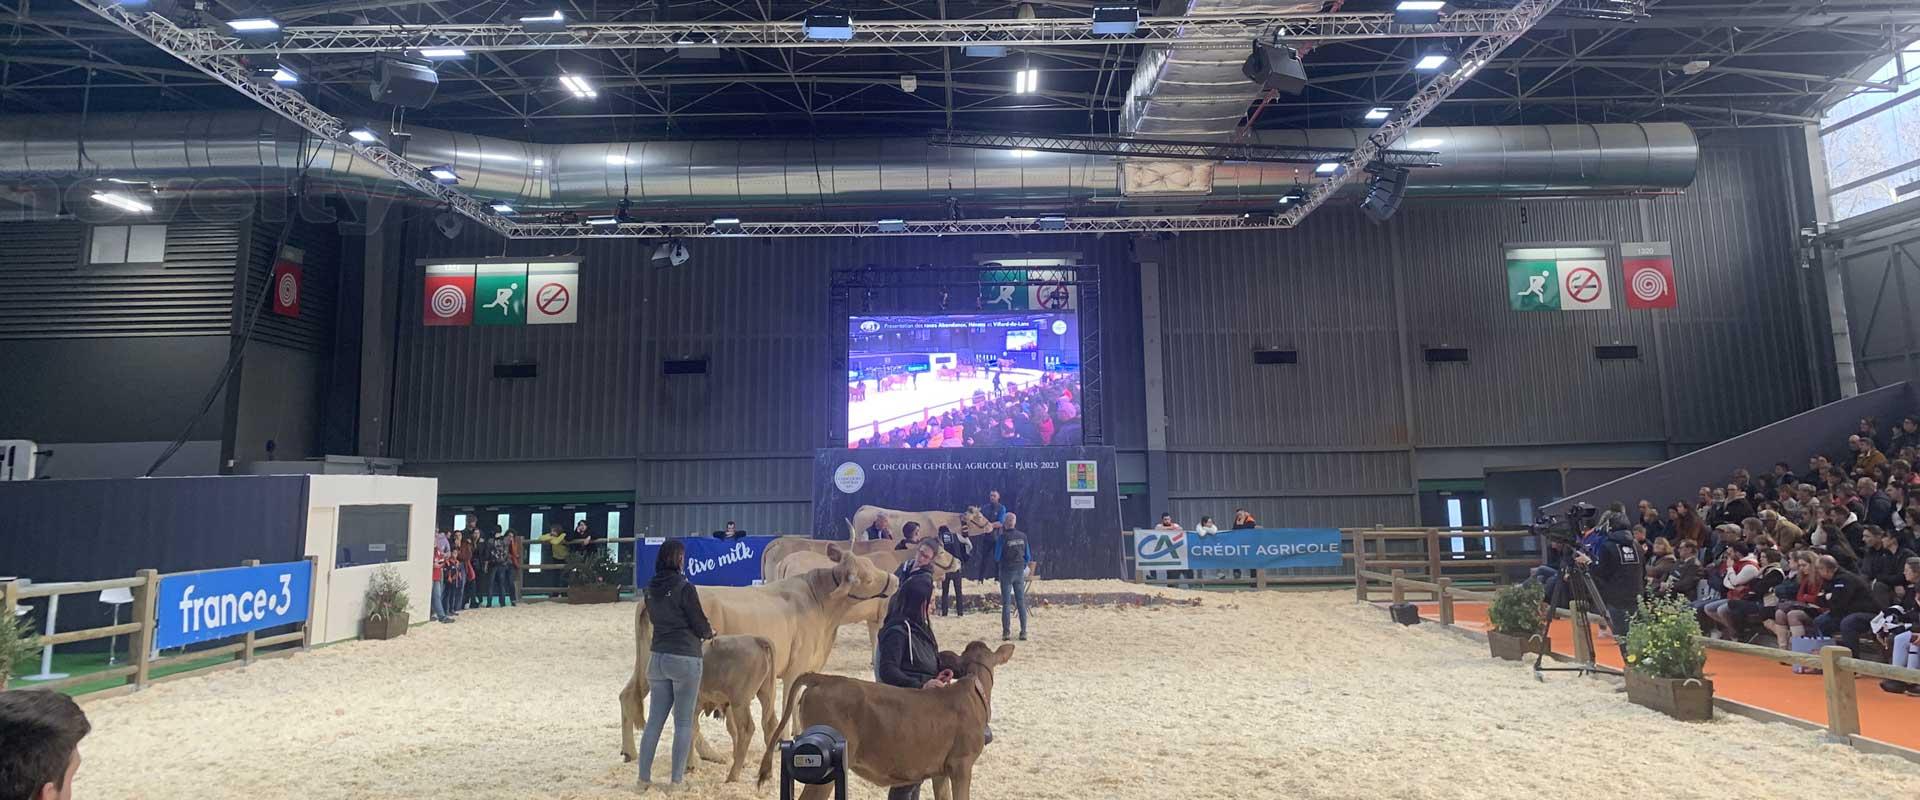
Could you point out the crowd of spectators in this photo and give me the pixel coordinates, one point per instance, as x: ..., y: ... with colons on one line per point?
x: 1040, y: 413
x: 476, y: 567
x: 1796, y: 559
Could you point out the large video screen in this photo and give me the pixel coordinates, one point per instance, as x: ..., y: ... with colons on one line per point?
x: 964, y: 380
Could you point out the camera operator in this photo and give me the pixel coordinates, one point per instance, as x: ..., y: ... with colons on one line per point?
x: 1618, y: 570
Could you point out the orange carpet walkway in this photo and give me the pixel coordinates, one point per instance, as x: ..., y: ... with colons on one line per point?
x: 1748, y: 679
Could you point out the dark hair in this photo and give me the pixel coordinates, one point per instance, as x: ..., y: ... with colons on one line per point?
x: 1783, y: 464
x: 945, y: 531
x: 1772, y: 556
x: 672, y: 552
x: 1204, y: 519
x: 909, y: 528
x: 42, y: 730
x: 1167, y: 514
x: 1740, y: 546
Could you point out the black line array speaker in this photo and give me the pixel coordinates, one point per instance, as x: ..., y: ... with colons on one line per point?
x: 1384, y: 192
x: 1276, y: 66
x: 404, y: 83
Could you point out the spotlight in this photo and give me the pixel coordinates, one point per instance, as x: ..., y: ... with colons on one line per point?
x: 284, y: 76
x: 501, y: 207
x: 828, y: 27
x: 1026, y: 81
x: 1277, y: 67
x: 363, y: 136
x: 1050, y: 222
x: 1431, y: 60
x: 1419, y: 12
x: 670, y: 253
x: 1378, y: 113
x: 1384, y: 191
x: 1120, y: 20
x: 443, y: 52
x: 555, y: 22
x: 892, y: 226
x: 449, y: 223
x: 909, y: 83
x: 1329, y: 168
x: 579, y: 87
x: 443, y: 173
x: 123, y: 202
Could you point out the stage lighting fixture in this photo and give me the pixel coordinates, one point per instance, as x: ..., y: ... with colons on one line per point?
x: 985, y: 50
x: 670, y: 253
x: 449, y: 223
x: 1329, y: 168
x: 501, y: 207
x: 443, y: 173
x: 1119, y: 20
x: 404, y: 82
x: 726, y: 225
x: 363, y: 136
x: 284, y: 76
x: 555, y: 22
x: 1419, y: 12
x: 123, y: 202
x: 1431, y: 60
x: 1050, y: 222
x: 442, y: 52
x: 1026, y: 81
x: 602, y: 220
x: 1277, y: 67
x: 1378, y: 113
x: 579, y: 87
x: 1384, y: 191
x: 828, y: 27
x: 252, y: 25
x: 1293, y: 196
x: 892, y: 226
x: 909, y: 83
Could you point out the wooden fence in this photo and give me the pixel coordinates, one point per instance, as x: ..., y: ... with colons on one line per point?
x: 1839, y: 669
x: 142, y: 660
x: 1421, y: 549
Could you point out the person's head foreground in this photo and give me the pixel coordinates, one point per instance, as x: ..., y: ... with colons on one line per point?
x: 40, y: 735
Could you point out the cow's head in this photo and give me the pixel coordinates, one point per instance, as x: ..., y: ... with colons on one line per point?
x: 856, y: 578
x: 974, y: 523
x: 977, y: 663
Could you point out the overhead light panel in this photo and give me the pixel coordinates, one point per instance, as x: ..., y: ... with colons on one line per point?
x: 1419, y: 12
x: 555, y: 22
x: 579, y: 87
x: 123, y: 202
x: 284, y: 76
x: 617, y: 161
x: 1329, y: 168
x: 985, y: 50
x: 1432, y: 60
x: 442, y: 52
x: 1293, y: 196
x: 1026, y: 81
x: 363, y: 136
x: 726, y: 225
x: 253, y: 25
x: 892, y: 225
x: 443, y: 173
x: 1050, y: 222
x: 602, y: 221
x: 828, y: 27
x: 1695, y: 67
x: 501, y: 207
x: 1117, y: 20
x: 1378, y: 113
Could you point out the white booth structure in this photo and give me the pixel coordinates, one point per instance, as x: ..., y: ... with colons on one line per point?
x: 356, y: 523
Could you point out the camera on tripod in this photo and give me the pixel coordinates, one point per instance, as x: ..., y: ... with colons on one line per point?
x: 1565, y: 528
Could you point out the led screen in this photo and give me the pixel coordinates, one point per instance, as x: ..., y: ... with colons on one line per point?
x: 964, y: 380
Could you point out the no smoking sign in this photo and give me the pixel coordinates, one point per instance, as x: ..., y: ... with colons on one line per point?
x: 552, y: 301
x: 1583, y: 285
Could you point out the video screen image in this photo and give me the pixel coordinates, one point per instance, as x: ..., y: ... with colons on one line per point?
x: 964, y: 380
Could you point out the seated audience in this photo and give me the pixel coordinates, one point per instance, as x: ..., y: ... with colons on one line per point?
x: 1849, y: 604
x: 1883, y: 565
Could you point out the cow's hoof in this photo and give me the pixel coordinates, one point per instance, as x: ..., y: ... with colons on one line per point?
x: 626, y: 757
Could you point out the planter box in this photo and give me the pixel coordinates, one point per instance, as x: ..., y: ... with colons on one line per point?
x: 592, y: 593
x: 1516, y: 648
x: 1683, y: 699
x: 386, y: 628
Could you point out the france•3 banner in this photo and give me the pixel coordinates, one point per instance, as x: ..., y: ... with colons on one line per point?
x: 218, y: 603
x: 1252, y: 548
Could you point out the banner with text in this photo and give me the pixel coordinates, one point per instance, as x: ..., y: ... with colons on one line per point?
x: 710, y: 562
x: 1252, y: 548
x: 1064, y: 498
x: 215, y: 604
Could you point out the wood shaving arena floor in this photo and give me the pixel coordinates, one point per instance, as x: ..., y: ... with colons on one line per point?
x: 1250, y: 695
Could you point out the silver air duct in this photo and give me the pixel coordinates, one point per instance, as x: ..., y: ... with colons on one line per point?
x: 847, y: 178
x: 1198, y: 92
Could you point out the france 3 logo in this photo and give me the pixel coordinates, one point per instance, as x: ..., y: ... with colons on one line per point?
x: 1160, y: 549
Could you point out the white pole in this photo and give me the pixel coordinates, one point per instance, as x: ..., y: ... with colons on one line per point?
x: 46, y: 653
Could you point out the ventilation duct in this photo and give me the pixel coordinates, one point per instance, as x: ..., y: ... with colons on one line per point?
x: 848, y: 178
x: 1198, y: 92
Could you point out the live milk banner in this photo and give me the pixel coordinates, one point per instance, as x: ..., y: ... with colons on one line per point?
x: 1252, y: 548
x: 710, y: 562
x: 217, y: 603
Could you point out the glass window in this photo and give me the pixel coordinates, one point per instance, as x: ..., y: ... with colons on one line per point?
x: 1457, y: 544
x: 613, y: 532
x: 459, y: 522
x: 536, y: 529
x: 373, y: 534
x: 127, y: 244
x: 1872, y: 141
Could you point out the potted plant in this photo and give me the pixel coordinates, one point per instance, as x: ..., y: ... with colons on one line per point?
x: 1666, y: 663
x: 387, y: 605
x: 17, y: 644
x: 592, y: 578
x: 1518, y: 627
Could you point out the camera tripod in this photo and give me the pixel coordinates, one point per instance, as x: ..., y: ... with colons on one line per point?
x: 1581, y: 590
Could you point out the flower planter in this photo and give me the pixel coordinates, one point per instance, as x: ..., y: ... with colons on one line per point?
x: 1685, y: 699
x: 589, y: 593
x: 1514, y: 647
x: 384, y: 627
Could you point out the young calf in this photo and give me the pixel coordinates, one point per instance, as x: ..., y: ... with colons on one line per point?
x: 896, y: 736
x: 734, y: 670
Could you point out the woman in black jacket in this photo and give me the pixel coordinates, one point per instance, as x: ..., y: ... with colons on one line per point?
x: 673, y: 672
x: 907, y: 654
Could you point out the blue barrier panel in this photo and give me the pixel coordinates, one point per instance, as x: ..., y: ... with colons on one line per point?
x: 217, y: 603
x: 710, y: 562
x: 1253, y: 548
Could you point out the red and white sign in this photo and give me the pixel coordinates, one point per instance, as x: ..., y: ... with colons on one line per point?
x: 1649, y: 270
x: 285, y: 282
x: 448, y: 295
x: 556, y: 293
x: 1583, y: 286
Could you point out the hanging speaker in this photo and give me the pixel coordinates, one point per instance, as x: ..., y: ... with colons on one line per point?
x: 449, y: 223
x: 1277, y: 67
x: 405, y: 83
x: 1384, y: 191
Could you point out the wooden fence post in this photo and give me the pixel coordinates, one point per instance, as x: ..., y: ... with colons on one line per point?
x: 145, y: 596
x: 1843, y: 712
x: 1360, y: 565
x: 1433, y: 556
x: 1446, y: 600
x: 246, y: 642
x: 313, y: 577
x: 1399, y: 591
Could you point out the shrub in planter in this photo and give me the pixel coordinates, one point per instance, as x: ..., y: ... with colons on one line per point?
x: 17, y: 644
x: 387, y: 605
x: 593, y: 578
x: 1666, y: 663
x: 1517, y: 626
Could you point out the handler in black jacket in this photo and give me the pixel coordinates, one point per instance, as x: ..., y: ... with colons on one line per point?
x: 673, y: 671
x: 961, y: 548
x: 907, y: 654
x: 1849, y: 602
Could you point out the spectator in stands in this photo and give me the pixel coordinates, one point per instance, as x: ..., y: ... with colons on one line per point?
x: 1739, y: 570
x: 1849, y: 603
x: 1879, y: 506
x: 1737, y: 508
x: 1911, y: 530
x: 40, y: 733
x: 1817, y: 467
x: 1783, y: 474
x: 1683, y: 578
x: 1869, y: 429
x: 1792, y: 616
x: 1650, y: 519
x: 1786, y: 535
x: 1884, y: 565
x: 731, y: 531
x: 1865, y: 455
x: 1905, y: 435
x: 556, y: 543
x: 1642, y: 544
x: 1243, y: 520
x: 1842, y: 530
x: 1685, y: 525
x: 1905, y: 650
x: 1660, y: 562
x: 1703, y: 502
x: 581, y: 539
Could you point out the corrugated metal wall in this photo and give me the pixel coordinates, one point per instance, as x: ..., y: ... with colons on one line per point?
x: 46, y: 291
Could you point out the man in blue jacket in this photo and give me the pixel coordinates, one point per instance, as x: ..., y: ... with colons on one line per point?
x: 1010, y: 555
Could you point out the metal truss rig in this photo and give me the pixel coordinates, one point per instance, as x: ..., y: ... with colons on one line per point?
x: 960, y: 227
x: 1513, y: 24
x: 1225, y: 32
x: 1166, y: 148
x: 194, y: 46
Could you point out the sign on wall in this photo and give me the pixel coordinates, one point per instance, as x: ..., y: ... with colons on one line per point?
x: 285, y: 283
x: 555, y: 287
x: 1027, y: 290
x: 1649, y: 270
x: 1253, y: 548
x: 502, y: 293
x: 1558, y: 279
x: 449, y: 295
x: 218, y: 603
x: 710, y: 562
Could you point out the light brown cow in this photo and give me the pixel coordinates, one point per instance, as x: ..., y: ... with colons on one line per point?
x: 967, y: 523
x: 783, y: 546
x: 897, y: 736
x: 799, y: 616
x: 733, y: 671
x: 873, y: 612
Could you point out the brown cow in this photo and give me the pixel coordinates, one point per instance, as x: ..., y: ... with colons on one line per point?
x: 897, y: 736
x: 799, y: 616
x: 783, y: 546
x: 733, y: 671
x: 873, y: 612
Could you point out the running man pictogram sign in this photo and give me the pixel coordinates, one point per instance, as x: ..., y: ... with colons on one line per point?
x: 1557, y: 279
x: 502, y: 293
x: 556, y: 293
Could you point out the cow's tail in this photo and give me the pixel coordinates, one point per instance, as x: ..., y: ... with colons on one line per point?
x: 773, y: 735
x: 852, y: 535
